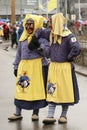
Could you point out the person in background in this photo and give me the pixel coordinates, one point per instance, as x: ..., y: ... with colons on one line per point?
x: 13, y: 37
x: 62, y: 87
x: 6, y: 31
x: 1, y: 33
x: 29, y: 70
x: 77, y: 26
x: 20, y: 30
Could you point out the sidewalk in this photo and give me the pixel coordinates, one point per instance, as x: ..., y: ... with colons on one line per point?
x: 82, y: 70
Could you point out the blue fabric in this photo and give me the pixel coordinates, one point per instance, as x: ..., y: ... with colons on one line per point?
x: 66, y: 51
x: 75, y: 87
x: 30, y: 105
x: 23, y: 53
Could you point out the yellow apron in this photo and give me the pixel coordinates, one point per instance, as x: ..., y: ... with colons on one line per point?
x: 60, y: 75
x: 35, y: 91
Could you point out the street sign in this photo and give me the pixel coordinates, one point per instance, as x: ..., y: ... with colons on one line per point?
x: 32, y: 3
x: 73, y: 17
x: 30, y: 11
x: 32, y: 7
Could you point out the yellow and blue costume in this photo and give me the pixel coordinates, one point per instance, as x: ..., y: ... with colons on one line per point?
x: 64, y: 46
x: 29, y: 62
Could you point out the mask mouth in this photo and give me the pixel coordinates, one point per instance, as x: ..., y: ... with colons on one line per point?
x: 30, y: 31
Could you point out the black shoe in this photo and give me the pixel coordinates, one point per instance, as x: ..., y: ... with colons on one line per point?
x: 6, y: 49
x: 48, y: 121
x: 14, y: 117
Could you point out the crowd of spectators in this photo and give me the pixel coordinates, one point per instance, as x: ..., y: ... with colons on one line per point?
x: 9, y: 32
x: 78, y: 27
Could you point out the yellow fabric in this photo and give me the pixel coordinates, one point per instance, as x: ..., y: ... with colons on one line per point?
x: 38, y: 23
x: 60, y: 75
x: 52, y: 4
x: 1, y: 32
x: 35, y: 91
x: 58, y: 31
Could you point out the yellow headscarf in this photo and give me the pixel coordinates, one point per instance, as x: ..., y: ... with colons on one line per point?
x: 38, y: 23
x: 58, y: 28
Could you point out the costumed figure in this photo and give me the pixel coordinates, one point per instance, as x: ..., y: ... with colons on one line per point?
x: 62, y: 88
x: 29, y: 69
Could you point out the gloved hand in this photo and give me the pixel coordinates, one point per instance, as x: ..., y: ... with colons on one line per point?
x: 31, y: 46
x: 34, y: 44
x: 15, y: 72
x: 70, y: 60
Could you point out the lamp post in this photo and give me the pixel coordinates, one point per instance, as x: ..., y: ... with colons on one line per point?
x: 47, y: 10
x: 79, y: 9
x: 58, y: 6
x: 21, y: 10
x: 13, y: 18
x: 66, y: 7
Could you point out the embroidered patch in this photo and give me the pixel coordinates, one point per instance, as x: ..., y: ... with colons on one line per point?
x: 24, y: 81
x: 73, y: 39
x: 50, y: 88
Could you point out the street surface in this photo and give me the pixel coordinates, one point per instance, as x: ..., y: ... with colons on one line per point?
x: 76, y: 116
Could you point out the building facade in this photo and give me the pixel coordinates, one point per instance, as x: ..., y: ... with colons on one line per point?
x: 67, y: 7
